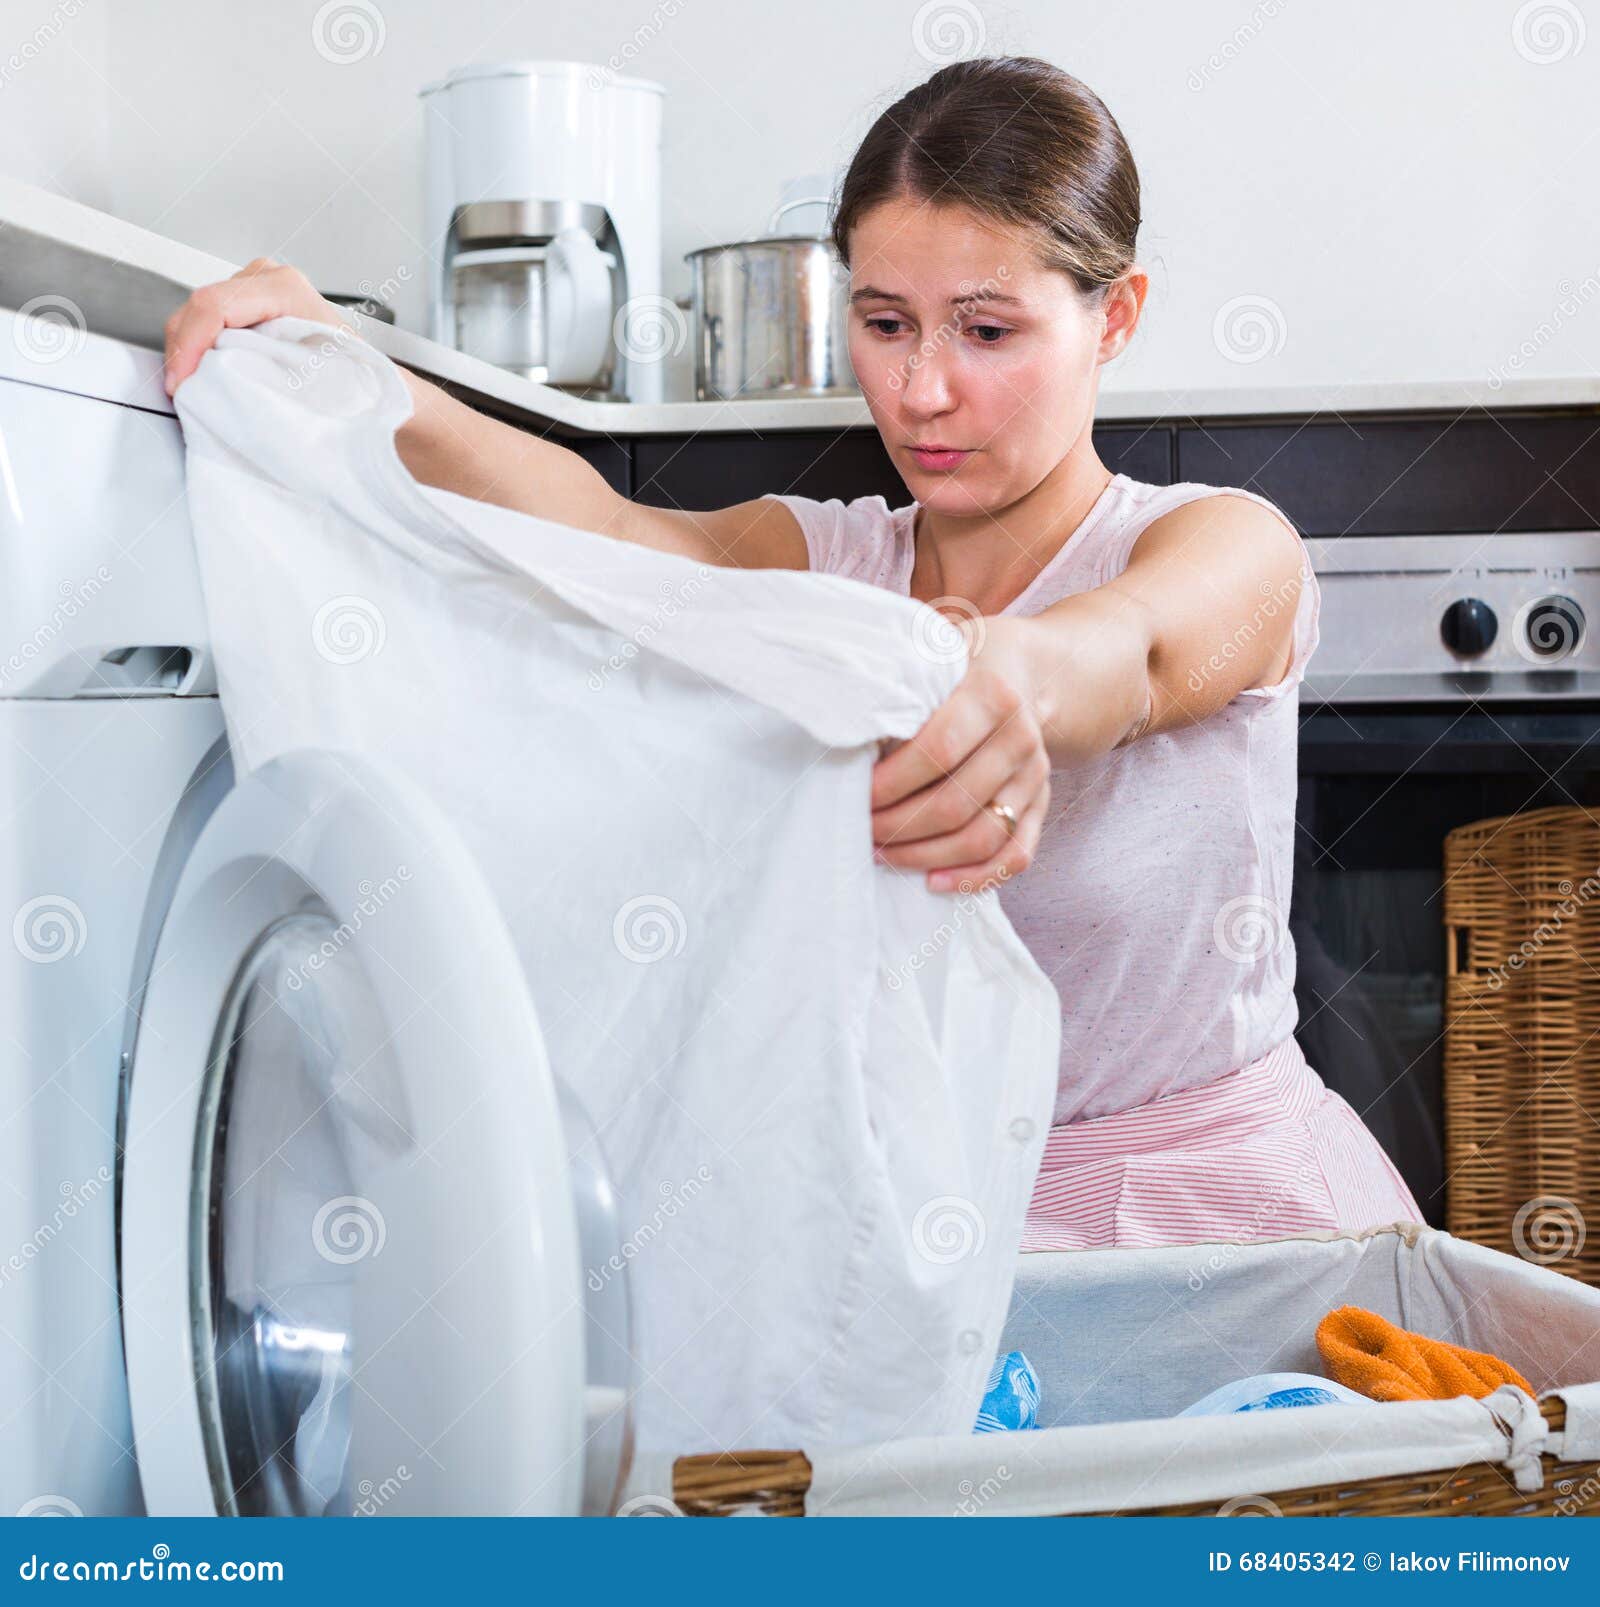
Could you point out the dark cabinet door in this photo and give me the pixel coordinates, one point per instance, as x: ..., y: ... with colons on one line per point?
x: 715, y: 471
x: 1413, y: 476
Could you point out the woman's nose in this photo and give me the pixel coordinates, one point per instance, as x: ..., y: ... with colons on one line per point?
x: 925, y: 387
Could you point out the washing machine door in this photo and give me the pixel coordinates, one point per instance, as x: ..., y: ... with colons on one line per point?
x: 351, y: 1275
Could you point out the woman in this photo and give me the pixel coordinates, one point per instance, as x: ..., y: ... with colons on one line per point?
x: 1125, y: 732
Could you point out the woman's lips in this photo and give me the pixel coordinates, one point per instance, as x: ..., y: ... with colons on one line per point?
x: 939, y: 458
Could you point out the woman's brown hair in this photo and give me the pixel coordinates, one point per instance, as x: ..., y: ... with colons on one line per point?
x: 1018, y: 141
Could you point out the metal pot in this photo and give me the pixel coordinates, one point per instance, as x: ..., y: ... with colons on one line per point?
x: 770, y: 319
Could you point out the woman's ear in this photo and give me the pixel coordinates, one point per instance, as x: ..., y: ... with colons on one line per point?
x: 1124, y: 302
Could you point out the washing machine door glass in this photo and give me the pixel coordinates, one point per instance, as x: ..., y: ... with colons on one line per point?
x: 297, y: 1114
x: 352, y: 1270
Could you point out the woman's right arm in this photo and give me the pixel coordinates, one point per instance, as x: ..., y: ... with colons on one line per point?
x: 452, y: 446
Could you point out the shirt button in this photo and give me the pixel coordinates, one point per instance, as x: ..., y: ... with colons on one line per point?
x: 968, y: 1341
x: 1022, y: 1129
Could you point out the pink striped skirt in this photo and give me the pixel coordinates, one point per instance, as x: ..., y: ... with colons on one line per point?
x: 1265, y: 1152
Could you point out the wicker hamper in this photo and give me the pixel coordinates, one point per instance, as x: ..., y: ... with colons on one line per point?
x: 1124, y: 1339
x: 1522, y: 1037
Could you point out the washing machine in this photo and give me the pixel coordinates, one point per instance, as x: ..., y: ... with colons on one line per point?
x: 295, y: 1215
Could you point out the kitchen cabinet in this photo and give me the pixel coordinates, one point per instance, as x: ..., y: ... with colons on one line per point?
x: 1409, y: 476
x: 714, y: 471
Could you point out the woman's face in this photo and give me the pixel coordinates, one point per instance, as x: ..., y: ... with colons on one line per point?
x: 961, y: 338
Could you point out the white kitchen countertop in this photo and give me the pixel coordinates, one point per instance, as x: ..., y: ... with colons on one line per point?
x: 126, y: 281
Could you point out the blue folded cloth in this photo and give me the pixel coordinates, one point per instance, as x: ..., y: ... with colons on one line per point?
x: 1011, y: 1400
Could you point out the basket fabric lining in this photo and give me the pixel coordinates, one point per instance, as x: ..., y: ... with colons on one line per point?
x: 1123, y: 1339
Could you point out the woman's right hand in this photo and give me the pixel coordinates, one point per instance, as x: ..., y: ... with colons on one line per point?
x: 260, y: 290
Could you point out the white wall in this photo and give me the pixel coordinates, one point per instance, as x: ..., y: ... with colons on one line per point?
x: 56, y: 97
x: 1400, y: 191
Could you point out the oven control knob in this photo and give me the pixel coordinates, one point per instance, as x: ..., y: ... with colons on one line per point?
x: 1468, y: 627
x: 1552, y: 627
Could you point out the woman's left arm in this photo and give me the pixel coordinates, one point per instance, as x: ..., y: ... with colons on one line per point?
x: 1204, y: 610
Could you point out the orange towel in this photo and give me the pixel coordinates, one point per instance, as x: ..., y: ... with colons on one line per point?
x: 1371, y: 1356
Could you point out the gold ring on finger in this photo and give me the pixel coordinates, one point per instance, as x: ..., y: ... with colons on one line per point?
x: 1005, y: 814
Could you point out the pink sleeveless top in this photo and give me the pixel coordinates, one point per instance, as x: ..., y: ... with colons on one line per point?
x: 1158, y: 899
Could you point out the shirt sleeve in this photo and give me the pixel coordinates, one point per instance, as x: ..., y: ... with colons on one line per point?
x: 819, y: 524
x: 1307, y: 611
x: 843, y: 538
x: 1305, y: 598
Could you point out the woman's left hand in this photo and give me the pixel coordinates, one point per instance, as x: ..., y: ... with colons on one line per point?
x: 984, y: 744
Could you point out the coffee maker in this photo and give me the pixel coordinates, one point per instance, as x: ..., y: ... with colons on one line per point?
x: 543, y: 218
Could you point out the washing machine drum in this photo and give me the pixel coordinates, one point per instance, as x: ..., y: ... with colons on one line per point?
x: 370, y: 1255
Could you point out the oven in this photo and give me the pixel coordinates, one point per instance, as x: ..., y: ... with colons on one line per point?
x: 1456, y: 678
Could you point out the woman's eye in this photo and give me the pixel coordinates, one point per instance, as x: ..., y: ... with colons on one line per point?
x: 884, y: 326
x: 995, y: 330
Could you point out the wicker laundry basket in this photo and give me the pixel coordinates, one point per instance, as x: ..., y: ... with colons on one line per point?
x: 1123, y: 1339
x: 1522, y: 1037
